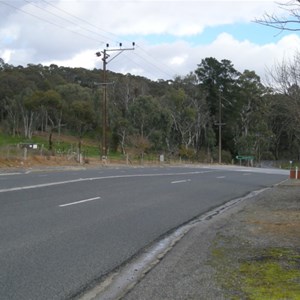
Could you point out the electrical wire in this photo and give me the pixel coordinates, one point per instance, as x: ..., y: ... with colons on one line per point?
x: 153, y: 65
x: 82, y: 20
x: 50, y: 22
x: 64, y: 19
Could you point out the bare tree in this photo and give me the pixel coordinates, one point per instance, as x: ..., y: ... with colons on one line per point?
x: 285, y: 81
x: 287, y: 22
x: 284, y: 77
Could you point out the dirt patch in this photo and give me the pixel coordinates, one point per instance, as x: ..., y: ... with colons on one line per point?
x: 284, y: 222
x: 34, y: 161
x: 257, y: 254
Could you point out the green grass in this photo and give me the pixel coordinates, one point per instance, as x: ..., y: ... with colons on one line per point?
x: 272, y: 276
x: 66, y: 145
x: 269, y: 274
x: 9, y: 140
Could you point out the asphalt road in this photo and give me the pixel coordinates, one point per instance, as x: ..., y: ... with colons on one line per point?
x: 61, y: 231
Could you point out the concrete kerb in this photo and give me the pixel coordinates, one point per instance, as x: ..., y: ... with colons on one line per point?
x: 120, y: 282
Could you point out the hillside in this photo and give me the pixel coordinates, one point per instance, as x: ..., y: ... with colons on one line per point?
x: 213, y: 114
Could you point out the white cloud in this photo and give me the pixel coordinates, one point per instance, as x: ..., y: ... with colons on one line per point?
x: 178, y: 60
x: 48, y: 35
x: 180, y: 57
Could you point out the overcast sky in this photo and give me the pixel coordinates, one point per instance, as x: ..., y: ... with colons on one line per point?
x: 171, y: 37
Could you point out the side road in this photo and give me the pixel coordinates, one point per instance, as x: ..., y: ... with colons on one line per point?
x: 251, y: 251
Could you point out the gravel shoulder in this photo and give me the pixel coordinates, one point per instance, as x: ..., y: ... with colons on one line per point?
x: 251, y: 251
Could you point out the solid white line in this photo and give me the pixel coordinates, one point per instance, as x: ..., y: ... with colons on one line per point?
x: 20, y: 188
x: 181, y: 181
x: 10, y: 174
x: 78, y: 202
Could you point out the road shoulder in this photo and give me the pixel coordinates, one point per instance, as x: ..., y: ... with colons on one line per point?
x: 220, y: 258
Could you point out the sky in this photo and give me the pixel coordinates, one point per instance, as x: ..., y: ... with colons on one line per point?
x: 171, y: 36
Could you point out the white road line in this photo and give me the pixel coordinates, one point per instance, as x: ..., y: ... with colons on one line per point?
x: 181, y: 181
x: 79, y: 202
x: 221, y: 177
x: 246, y: 174
x: 20, y: 188
x: 10, y: 174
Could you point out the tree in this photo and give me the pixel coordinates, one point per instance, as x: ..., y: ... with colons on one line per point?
x: 251, y: 112
x: 149, y: 120
x: 195, y: 99
x: 51, y: 107
x: 83, y: 119
x: 291, y: 22
x: 12, y: 112
x: 29, y: 111
x: 219, y: 81
x: 285, y: 81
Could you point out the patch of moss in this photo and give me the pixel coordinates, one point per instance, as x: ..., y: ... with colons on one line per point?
x: 273, y: 275
x: 249, y: 273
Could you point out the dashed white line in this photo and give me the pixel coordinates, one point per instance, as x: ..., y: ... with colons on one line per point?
x: 221, y: 177
x: 79, y: 202
x: 181, y: 181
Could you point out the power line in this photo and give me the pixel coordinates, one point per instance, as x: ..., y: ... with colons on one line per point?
x: 168, y: 67
x: 110, y: 33
x: 94, y: 32
x: 153, y: 65
x: 82, y: 20
x: 62, y: 18
x: 50, y: 22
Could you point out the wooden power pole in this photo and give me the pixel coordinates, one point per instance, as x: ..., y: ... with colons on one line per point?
x: 105, y: 60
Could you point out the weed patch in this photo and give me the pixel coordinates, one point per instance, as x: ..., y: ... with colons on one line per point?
x: 272, y: 273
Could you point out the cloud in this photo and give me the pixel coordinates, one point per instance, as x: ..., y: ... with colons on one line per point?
x: 181, y: 57
x: 70, y: 32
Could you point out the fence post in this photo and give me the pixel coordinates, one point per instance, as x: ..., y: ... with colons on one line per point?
x: 25, y: 153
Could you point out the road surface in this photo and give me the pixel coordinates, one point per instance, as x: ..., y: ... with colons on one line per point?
x: 62, y: 231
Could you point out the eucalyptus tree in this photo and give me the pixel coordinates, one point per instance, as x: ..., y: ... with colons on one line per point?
x: 123, y: 92
x: 12, y: 84
x: 83, y: 119
x: 29, y: 109
x: 150, y: 121
x: 50, y: 106
x: 284, y: 78
x: 79, y: 112
x: 253, y: 111
x: 195, y: 100
x: 219, y: 80
x: 183, y: 114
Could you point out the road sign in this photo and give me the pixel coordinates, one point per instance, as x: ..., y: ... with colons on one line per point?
x: 242, y: 157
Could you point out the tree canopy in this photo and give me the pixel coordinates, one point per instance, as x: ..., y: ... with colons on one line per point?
x: 178, y: 117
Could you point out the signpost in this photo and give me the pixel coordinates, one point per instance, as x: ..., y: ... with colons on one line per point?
x: 245, y: 157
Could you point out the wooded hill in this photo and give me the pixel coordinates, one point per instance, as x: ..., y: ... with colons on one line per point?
x: 178, y: 118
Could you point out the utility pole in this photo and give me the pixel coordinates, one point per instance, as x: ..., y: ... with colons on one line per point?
x: 220, y: 124
x: 105, y: 60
